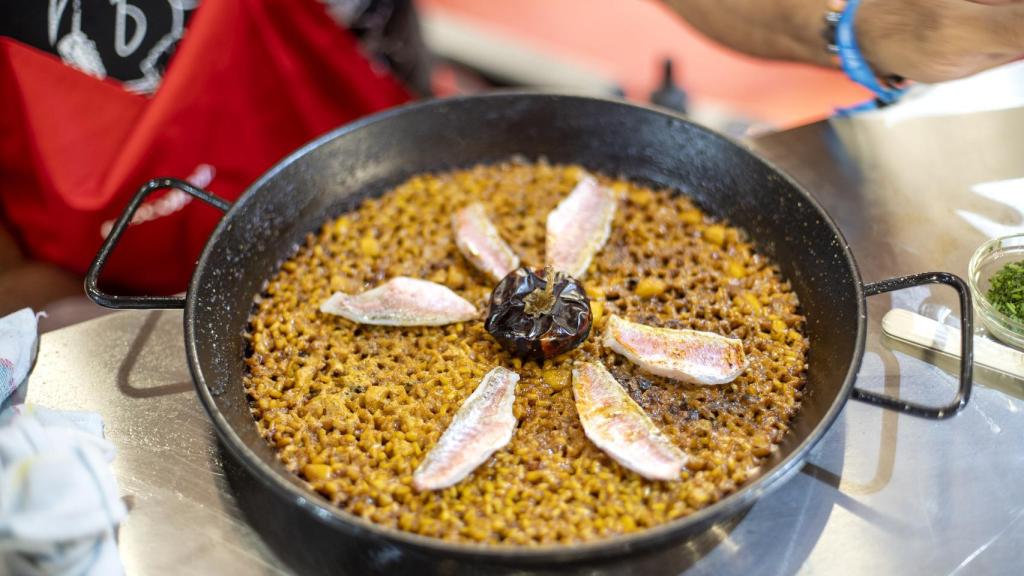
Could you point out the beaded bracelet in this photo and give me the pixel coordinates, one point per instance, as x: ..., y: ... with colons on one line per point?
x: 842, y: 45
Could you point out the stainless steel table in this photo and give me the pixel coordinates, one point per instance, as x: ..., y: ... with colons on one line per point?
x: 882, y: 494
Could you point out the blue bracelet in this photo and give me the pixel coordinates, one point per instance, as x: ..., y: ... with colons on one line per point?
x: 853, y: 62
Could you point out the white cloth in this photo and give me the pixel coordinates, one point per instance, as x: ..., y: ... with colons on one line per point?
x: 59, y: 503
x: 18, y: 341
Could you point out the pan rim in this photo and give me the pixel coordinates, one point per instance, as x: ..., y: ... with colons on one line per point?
x: 655, y: 537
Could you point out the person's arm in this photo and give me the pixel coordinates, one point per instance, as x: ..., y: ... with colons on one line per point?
x: 923, y: 40
x: 29, y: 283
x: 776, y: 29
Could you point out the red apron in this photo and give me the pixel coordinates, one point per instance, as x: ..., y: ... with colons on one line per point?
x: 251, y: 81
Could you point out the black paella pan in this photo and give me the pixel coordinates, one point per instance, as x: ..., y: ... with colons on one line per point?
x: 334, y: 173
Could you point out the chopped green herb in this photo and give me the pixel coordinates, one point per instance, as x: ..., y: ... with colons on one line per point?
x: 1006, y: 292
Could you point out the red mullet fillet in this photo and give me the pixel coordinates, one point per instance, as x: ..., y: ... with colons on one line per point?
x: 402, y: 301
x: 619, y: 426
x: 685, y: 355
x: 480, y: 243
x: 483, y: 424
x: 579, y: 227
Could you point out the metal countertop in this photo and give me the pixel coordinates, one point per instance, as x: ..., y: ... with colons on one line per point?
x: 882, y: 493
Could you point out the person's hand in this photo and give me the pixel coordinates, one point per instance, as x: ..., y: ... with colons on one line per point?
x: 938, y: 40
x: 25, y: 282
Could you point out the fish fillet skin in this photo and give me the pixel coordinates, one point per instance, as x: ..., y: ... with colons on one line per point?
x: 483, y: 425
x: 480, y: 243
x: 619, y: 426
x: 580, y: 225
x: 402, y: 301
x: 684, y: 355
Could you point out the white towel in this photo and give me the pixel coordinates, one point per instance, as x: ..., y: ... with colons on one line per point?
x: 18, y: 340
x: 59, y: 503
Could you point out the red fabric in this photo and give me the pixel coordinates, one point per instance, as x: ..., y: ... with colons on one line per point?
x: 251, y: 81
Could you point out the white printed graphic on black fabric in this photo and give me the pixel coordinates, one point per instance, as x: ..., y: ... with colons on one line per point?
x: 122, y: 45
x: 346, y: 12
x: 75, y: 48
x: 130, y: 40
x: 162, y: 50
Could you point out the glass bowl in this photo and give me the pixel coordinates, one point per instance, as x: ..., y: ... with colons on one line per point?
x: 987, y: 260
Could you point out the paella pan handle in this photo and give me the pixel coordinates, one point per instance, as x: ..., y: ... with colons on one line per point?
x: 966, y: 347
x: 140, y: 302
